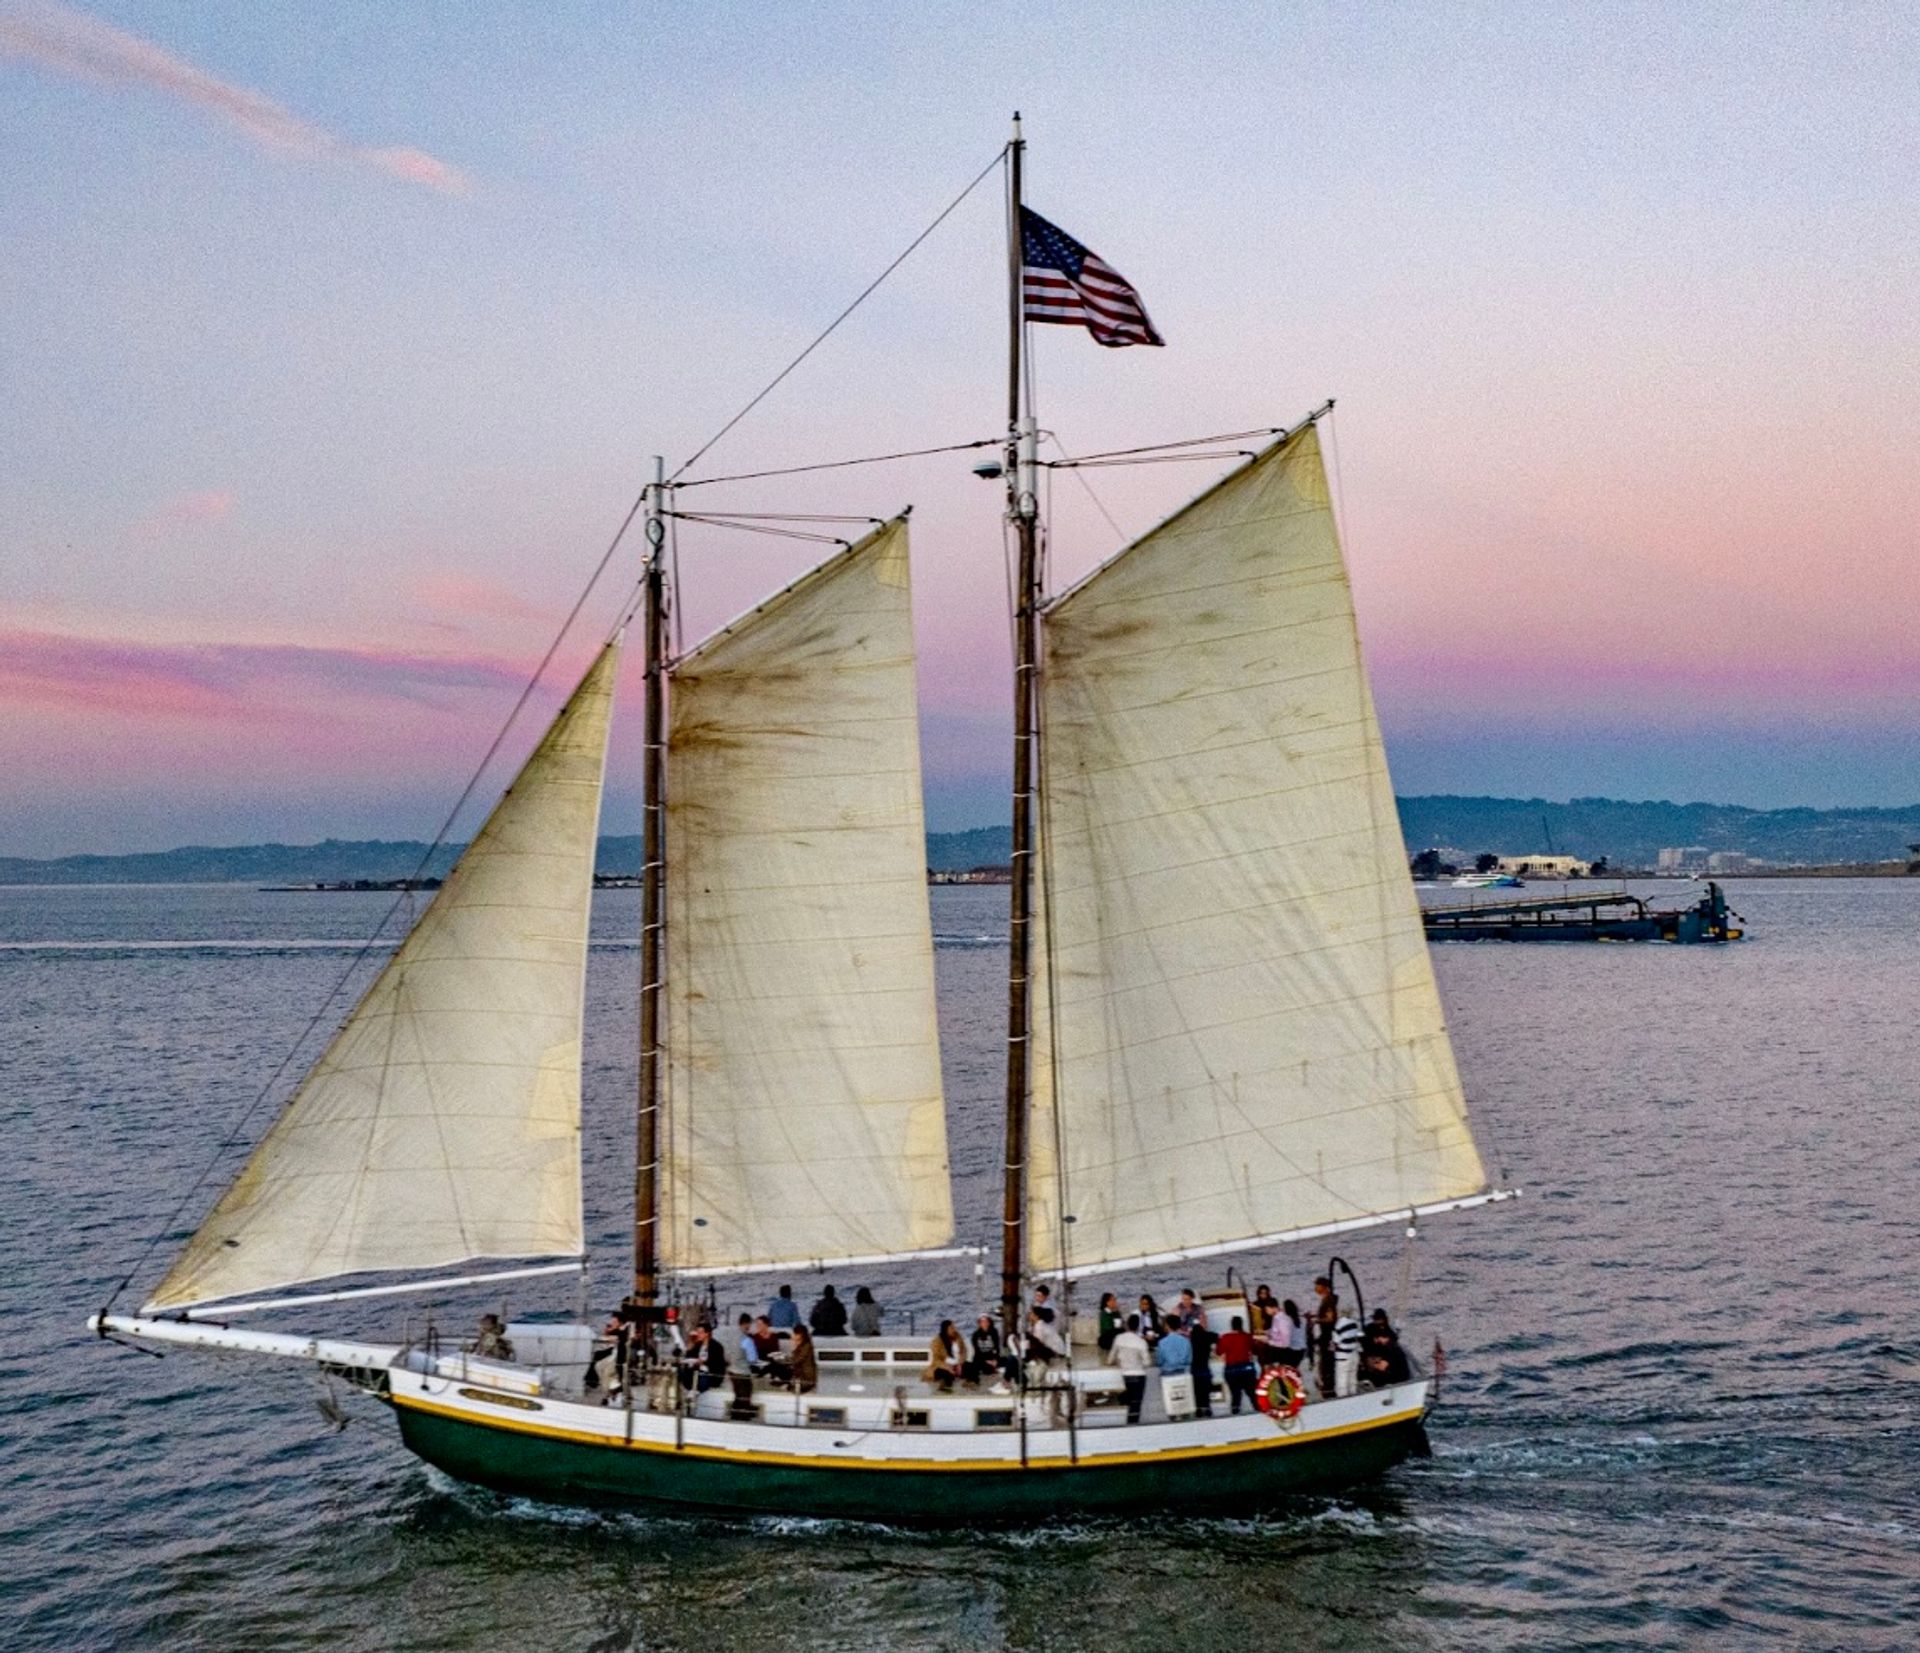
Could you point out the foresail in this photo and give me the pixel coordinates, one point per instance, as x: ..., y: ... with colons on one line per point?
x: 443, y: 1122
x: 805, y: 1116
x: 1237, y: 1028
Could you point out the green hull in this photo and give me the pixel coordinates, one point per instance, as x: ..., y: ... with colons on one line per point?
x: 573, y: 1471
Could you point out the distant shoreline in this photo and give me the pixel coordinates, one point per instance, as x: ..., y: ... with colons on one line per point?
x: 1788, y: 843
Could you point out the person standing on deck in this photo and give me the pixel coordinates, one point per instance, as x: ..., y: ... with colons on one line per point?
x: 1345, y: 1343
x: 1242, y: 1371
x: 866, y: 1314
x: 828, y: 1317
x: 1264, y: 1311
x: 1110, y: 1322
x: 748, y: 1352
x: 783, y: 1314
x: 1189, y: 1310
x: 1288, y: 1340
x: 746, y: 1349
x: 1200, y: 1340
x: 1173, y: 1354
x: 1321, y: 1316
x: 1130, y: 1353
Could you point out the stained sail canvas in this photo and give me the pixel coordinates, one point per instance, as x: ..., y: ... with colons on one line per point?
x: 443, y: 1122
x: 1237, y: 1031
x: 804, y: 1105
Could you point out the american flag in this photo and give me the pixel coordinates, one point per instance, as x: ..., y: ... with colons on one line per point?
x: 1061, y: 281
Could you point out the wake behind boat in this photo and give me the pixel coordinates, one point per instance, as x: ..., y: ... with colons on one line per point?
x: 1223, y: 1034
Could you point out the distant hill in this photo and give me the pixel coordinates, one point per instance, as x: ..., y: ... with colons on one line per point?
x: 1633, y: 834
x: 990, y: 846
x: 337, y: 861
x: 1628, y: 834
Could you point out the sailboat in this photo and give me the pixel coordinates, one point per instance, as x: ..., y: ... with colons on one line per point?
x: 1223, y: 1034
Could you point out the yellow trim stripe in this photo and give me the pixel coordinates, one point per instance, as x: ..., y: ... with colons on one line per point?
x: 797, y: 1461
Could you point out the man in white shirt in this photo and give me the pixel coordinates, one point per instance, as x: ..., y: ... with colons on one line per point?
x: 1131, y: 1354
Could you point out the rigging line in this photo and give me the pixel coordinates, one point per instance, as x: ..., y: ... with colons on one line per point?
x: 1071, y: 464
x: 826, y: 332
x: 232, y: 1136
x: 760, y: 528
x: 843, y: 464
x: 1191, y: 442
x: 781, y: 516
x: 1150, y: 459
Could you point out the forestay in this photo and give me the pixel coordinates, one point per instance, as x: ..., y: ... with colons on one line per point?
x: 1237, y: 1029
x: 805, y: 1117
x: 443, y: 1122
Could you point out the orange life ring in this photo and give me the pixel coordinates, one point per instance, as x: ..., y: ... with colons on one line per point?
x: 1281, y: 1392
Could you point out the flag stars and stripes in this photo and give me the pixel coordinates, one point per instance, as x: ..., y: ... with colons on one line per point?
x: 1061, y: 281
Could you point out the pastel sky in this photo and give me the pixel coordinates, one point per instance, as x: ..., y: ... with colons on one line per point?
x: 334, y: 340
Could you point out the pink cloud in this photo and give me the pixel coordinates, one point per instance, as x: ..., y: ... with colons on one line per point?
x: 70, y: 42
x: 218, y: 680
x: 469, y: 597
x: 184, y: 510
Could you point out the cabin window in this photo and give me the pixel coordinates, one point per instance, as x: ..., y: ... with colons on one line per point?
x: 874, y: 1357
x: 993, y: 1417
x: 835, y: 1357
x: 828, y: 1417
x: 916, y: 1417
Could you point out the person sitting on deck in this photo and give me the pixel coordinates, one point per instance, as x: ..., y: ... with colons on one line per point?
x: 766, y: 1341
x: 1242, y: 1371
x: 990, y: 1358
x: 493, y: 1342
x: 1382, y: 1361
x: 706, y: 1362
x: 866, y: 1314
x: 828, y: 1317
x: 946, y: 1358
x: 802, y: 1370
x: 783, y: 1314
x: 1130, y: 1353
x: 1044, y: 1343
x: 1150, y: 1319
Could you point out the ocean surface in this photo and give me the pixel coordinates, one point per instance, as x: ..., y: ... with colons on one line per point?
x: 1681, y: 1409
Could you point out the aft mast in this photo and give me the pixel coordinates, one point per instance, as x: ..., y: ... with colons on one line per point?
x: 646, y: 1164
x: 1022, y: 512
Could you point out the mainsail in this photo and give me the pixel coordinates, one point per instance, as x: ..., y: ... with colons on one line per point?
x: 1237, y: 1031
x: 443, y: 1122
x: 805, y: 1115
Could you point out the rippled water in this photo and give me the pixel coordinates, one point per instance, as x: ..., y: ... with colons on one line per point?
x: 1685, y: 1367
